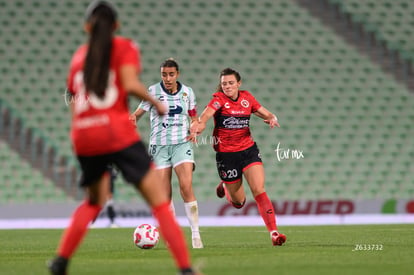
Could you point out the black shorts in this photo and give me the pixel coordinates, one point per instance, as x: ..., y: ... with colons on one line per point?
x: 133, y: 162
x: 230, y: 166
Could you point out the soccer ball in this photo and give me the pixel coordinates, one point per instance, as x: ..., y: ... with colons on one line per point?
x: 146, y: 236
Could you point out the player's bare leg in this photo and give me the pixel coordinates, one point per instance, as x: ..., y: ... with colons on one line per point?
x: 235, y: 193
x: 184, y: 173
x: 164, y: 178
x: 255, y: 178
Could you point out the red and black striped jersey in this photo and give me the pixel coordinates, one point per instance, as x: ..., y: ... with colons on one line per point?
x: 231, y: 121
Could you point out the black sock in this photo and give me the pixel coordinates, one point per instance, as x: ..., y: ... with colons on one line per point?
x: 111, y: 213
x: 187, y: 271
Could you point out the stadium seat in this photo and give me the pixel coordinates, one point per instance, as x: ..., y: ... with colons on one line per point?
x: 19, y: 182
x: 390, y: 20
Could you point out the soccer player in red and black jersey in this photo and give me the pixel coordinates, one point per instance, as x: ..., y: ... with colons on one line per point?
x: 102, y: 74
x: 237, y: 154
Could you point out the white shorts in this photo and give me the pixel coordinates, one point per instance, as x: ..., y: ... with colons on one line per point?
x: 165, y: 156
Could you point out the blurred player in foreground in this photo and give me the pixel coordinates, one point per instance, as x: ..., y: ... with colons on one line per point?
x: 101, y: 75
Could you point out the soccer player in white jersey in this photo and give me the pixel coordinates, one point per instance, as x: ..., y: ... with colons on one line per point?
x: 169, y: 146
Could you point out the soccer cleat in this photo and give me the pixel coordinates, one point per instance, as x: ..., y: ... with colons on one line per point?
x: 220, y: 190
x: 58, y: 266
x: 197, y: 243
x: 278, y: 239
x: 113, y: 225
x: 187, y: 271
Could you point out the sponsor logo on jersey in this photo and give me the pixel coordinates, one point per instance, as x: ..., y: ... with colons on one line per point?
x: 92, y: 121
x: 236, y: 122
x: 226, y: 105
x: 166, y: 125
x: 175, y: 110
x: 237, y: 112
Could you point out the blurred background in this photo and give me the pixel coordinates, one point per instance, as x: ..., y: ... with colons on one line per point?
x: 337, y: 73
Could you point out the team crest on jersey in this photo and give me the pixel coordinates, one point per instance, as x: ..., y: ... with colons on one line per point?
x: 216, y: 104
x: 226, y: 105
x: 161, y: 98
x: 245, y: 103
x: 185, y: 97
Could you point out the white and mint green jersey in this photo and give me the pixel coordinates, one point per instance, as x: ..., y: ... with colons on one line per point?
x: 172, y: 128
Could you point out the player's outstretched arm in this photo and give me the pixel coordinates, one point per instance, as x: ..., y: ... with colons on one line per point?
x: 136, y: 115
x: 193, y: 135
x: 268, y: 117
x: 198, y: 126
x: 133, y: 85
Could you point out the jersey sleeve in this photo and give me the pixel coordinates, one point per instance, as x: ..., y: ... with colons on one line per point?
x: 255, y: 104
x: 145, y: 105
x: 192, y: 108
x: 216, y: 102
x: 131, y: 55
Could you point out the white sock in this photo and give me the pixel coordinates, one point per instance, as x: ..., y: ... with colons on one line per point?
x: 191, y: 210
x: 271, y: 232
x: 109, y: 202
x: 172, y: 208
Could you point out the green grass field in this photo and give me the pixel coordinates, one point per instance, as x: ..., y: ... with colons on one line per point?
x: 228, y: 250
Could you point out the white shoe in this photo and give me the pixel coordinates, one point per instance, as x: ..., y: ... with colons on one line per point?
x: 197, y: 243
x: 113, y: 225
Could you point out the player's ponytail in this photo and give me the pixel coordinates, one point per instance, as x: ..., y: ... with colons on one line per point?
x: 102, y: 19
